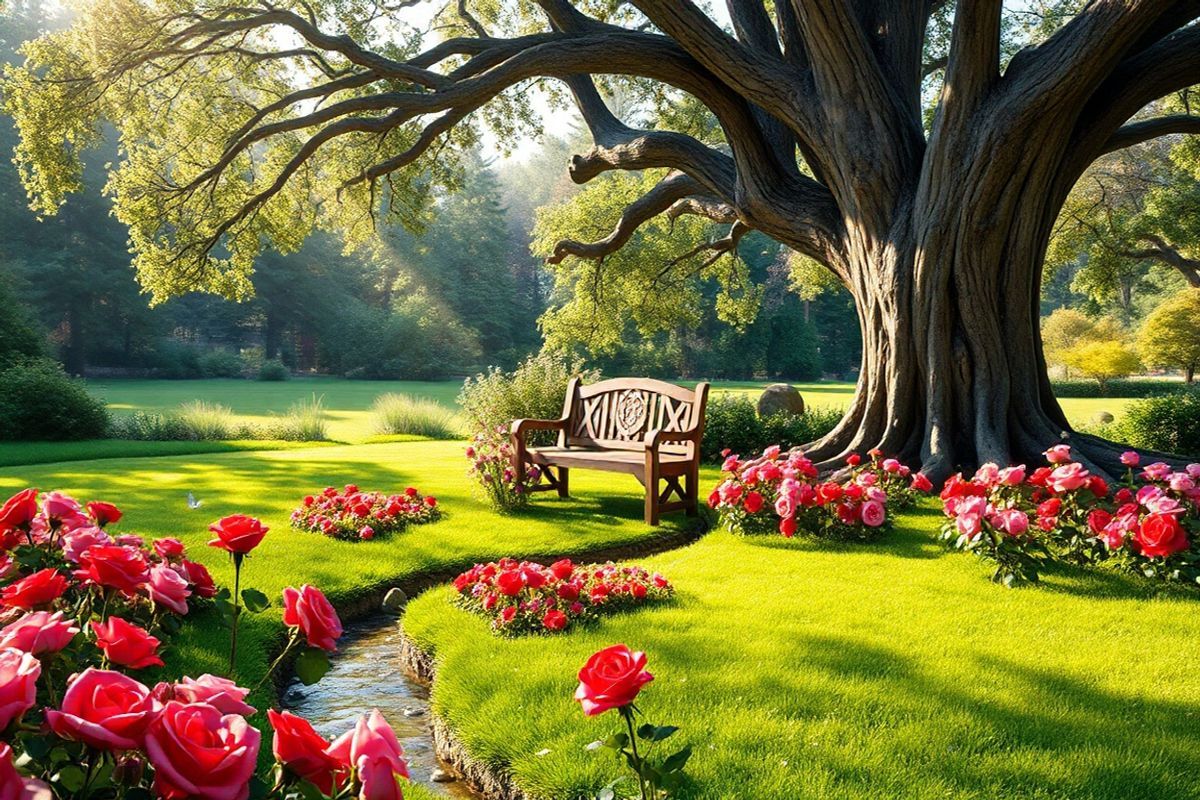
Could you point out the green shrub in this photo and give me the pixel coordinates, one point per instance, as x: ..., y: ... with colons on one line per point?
x: 304, y: 422
x: 143, y: 427
x: 1117, y: 388
x: 38, y: 401
x: 220, y: 364
x: 731, y: 422
x: 273, y: 370
x: 19, y: 337
x: 534, y: 390
x: 401, y: 413
x: 175, y: 360
x: 1170, y: 422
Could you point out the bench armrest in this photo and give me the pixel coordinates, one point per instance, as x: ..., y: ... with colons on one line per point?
x: 654, y: 438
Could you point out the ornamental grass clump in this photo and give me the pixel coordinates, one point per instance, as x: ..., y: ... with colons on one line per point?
x: 1021, y: 521
x: 525, y: 597
x: 404, y: 414
x: 783, y: 492
x: 355, y: 515
x: 491, y: 456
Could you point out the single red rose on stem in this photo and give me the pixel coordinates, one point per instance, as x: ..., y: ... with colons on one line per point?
x: 308, y: 610
x: 105, y: 710
x: 126, y: 644
x: 39, y: 589
x: 611, y: 678
x: 199, y: 577
x: 198, y: 752
x: 114, y: 566
x: 238, y: 534
x: 1160, y: 535
x: 303, y: 752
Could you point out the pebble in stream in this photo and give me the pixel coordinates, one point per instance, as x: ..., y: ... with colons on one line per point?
x: 367, y: 674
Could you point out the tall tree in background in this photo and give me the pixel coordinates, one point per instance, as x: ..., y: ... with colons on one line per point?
x: 251, y: 122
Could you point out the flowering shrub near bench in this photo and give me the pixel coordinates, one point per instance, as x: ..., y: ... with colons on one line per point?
x: 491, y: 457
x: 355, y: 515
x: 84, y: 609
x: 782, y: 492
x: 1149, y: 523
x: 526, y: 597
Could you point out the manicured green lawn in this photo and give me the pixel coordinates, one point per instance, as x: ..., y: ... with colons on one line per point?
x: 14, y: 454
x: 347, y: 403
x: 881, y: 670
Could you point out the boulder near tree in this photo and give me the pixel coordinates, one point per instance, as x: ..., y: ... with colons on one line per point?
x: 251, y: 122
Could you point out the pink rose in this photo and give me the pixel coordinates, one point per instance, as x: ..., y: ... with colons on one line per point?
x: 15, y: 787
x: 58, y: 506
x: 1059, y: 454
x: 198, y: 753
x: 1157, y: 471
x: 220, y: 693
x: 169, y: 589
x: 105, y: 710
x: 372, y: 749
x: 1014, y: 522
x: 19, y: 672
x: 873, y: 513
x: 1130, y: 458
x: 1012, y: 476
x: 308, y: 609
x: 38, y: 632
x: 75, y: 543
x: 1068, y: 478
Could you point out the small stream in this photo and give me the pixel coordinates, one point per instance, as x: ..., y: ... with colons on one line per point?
x: 367, y: 673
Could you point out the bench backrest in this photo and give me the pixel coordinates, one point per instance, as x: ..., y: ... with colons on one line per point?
x: 617, y: 413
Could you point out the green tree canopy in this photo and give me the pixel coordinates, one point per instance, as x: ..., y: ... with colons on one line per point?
x: 1170, y: 337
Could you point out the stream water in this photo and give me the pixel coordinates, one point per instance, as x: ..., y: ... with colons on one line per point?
x: 367, y: 674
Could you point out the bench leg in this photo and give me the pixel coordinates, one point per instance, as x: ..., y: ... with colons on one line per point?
x: 651, y: 489
x: 564, y: 475
x: 691, y: 485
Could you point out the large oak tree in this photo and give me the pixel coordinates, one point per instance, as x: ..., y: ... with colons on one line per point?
x: 251, y: 121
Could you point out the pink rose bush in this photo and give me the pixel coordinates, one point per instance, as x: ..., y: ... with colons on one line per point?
x: 354, y: 515
x: 491, y: 456
x: 84, y: 611
x: 782, y: 492
x: 902, y: 486
x: 526, y: 597
x: 1022, y: 519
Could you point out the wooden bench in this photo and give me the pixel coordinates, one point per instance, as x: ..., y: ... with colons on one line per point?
x: 647, y: 428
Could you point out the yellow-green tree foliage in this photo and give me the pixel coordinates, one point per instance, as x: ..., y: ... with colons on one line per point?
x: 1103, y: 361
x: 1170, y: 337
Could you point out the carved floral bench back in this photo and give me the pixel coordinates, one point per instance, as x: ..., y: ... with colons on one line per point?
x: 617, y: 413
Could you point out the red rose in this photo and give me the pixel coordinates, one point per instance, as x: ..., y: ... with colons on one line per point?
x: 921, y: 483
x: 126, y: 644
x: 847, y: 514
x: 221, y: 693
x: 114, y: 566
x: 1050, y: 508
x: 787, y: 526
x: 1098, y: 486
x: 753, y: 502
x: 168, y: 549
x: 303, y: 751
x: 431, y: 501
x: 1160, y: 535
x: 105, y: 710
x: 308, y: 609
x: 1098, y: 519
x: 199, y: 754
x: 103, y: 513
x: 853, y: 460
x: 19, y: 673
x: 554, y: 620
x: 611, y: 678
x: 510, y: 583
x: 38, y: 632
x: 714, y: 498
x: 200, y: 579
x: 1040, y: 476
x: 39, y: 589
x: 373, y: 750
x: 568, y: 591
x: 238, y: 534
x: 562, y: 569
x: 829, y: 493
x: 18, y: 510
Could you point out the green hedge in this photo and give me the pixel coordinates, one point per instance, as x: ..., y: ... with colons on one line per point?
x: 1169, y: 422
x: 1120, y: 388
x: 40, y: 402
x: 731, y: 422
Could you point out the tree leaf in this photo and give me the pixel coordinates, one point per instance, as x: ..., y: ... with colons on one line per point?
x: 312, y: 665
